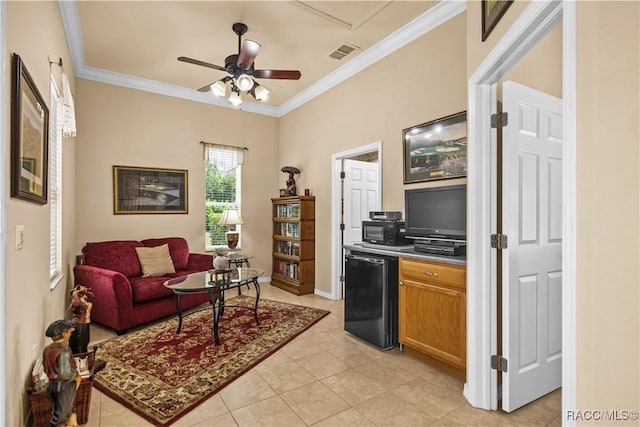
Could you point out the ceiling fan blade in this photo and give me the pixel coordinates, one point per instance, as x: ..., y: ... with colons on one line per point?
x: 201, y: 63
x: 206, y: 88
x: 277, y: 74
x: 248, y: 53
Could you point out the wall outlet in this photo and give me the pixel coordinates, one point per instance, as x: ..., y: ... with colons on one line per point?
x: 19, y: 237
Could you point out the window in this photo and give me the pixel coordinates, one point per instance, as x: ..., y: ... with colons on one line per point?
x: 223, y: 169
x: 55, y: 187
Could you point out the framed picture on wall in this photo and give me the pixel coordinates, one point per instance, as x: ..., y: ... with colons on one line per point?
x: 29, y: 137
x: 492, y: 11
x: 140, y: 190
x: 436, y: 149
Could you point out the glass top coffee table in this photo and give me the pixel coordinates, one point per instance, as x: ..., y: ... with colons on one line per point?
x: 215, y: 283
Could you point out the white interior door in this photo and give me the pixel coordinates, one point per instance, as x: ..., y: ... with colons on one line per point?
x: 360, y: 196
x: 532, y: 261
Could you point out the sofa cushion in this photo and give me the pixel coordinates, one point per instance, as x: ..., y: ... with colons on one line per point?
x: 155, y: 261
x: 149, y: 288
x: 116, y: 255
x: 178, y: 248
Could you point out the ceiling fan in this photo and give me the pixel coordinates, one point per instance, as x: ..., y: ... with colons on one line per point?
x: 242, y: 72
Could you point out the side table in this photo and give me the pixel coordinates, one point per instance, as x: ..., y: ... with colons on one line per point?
x: 238, y: 260
x: 235, y: 260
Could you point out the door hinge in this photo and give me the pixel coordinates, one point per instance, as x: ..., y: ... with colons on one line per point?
x: 342, y: 226
x: 342, y: 278
x: 343, y: 175
x: 499, y: 120
x: 499, y: 241
x: 499, y: 363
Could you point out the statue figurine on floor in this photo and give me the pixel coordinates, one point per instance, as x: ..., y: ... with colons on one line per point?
x: 80, y: 308
x: 60, y: 367
x: 291, y: 182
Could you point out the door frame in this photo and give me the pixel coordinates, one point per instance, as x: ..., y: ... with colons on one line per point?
x: 336, y: 203
x: 481, y: 388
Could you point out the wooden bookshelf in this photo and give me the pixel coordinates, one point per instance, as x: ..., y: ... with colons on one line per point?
x: 294, y: 228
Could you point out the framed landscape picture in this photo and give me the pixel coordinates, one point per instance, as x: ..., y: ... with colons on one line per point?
x: 436, y: 149
x: 139, y: 190
x: 29, y: 137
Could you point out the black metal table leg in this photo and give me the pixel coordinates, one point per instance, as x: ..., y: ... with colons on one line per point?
x: 179, y: 308
x: 255, y: 308
x: 215, y: 302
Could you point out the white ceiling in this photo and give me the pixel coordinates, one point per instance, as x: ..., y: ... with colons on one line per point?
x: 136, y: 43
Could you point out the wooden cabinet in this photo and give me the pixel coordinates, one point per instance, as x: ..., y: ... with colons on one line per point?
x: 432, y: 311
x: 294, y: 228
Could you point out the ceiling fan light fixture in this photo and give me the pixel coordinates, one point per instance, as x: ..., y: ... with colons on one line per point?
x: 262, y: 93
x: 235, y: 98
x: 218, y: 88
x: 244, y: 82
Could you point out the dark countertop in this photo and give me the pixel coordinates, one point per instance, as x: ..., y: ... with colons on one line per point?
x: 405, y: 252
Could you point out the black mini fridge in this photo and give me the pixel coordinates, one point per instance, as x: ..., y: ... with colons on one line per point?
x: 371, y: 298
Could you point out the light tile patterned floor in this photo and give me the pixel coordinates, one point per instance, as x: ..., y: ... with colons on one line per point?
x: 325, y: 377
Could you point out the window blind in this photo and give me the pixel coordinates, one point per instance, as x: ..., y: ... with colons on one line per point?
x: 55, y: 185
x: 223, y: 167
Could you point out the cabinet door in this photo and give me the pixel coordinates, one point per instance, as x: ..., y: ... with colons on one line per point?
x: 432, y: 320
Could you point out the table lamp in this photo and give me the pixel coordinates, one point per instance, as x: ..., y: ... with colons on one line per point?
x: 231, y: 216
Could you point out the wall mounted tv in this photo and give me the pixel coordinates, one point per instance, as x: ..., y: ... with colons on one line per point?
x: 436, y: 212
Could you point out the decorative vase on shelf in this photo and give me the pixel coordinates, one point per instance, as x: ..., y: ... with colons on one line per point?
x: 220, y: 261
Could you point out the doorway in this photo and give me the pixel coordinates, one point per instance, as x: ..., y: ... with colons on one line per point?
x: 339, y: 199
x: 534, y: 23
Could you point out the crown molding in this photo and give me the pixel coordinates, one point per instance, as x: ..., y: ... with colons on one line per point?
x: 440, y: 13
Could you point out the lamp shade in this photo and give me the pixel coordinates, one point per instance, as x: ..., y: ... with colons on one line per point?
x: 218, y: 88
x: 231, y: 216
x: 244, y: 82
x: 235, y: 98
x: 261, y: 93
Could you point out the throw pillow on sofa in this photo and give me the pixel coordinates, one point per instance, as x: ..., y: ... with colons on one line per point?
x: 155, y: 261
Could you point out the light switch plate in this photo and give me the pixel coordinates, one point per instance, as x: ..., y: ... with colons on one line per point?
x: 19, y: 237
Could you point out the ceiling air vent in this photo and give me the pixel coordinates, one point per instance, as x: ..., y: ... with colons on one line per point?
x: 343, y: 51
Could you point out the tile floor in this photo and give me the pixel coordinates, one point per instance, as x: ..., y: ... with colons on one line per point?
x: 325, y: 377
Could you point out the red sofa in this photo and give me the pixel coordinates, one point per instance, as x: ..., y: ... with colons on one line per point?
x: 123, y: 298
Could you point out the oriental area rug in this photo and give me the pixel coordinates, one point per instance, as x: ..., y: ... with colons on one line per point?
x: 161, y: 375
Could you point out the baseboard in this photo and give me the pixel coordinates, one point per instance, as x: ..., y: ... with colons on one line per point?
x: 323, y: 294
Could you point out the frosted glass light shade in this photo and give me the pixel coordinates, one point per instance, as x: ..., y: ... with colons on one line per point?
x: 218, y: 88
x: 235, y: 98
x: 262, y: 93
x: 244, y: 82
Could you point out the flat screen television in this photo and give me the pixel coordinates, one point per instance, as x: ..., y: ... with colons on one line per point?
x: 436, y: 212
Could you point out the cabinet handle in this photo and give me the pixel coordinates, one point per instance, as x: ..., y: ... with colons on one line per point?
x: 401, y: 283
x: 430, y: 273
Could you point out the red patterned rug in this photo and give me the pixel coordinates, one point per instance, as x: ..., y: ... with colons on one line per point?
x: 162, y: 375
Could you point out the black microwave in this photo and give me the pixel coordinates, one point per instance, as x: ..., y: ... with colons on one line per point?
x: 383, y: 232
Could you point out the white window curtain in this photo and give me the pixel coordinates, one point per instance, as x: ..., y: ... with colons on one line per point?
x: 68, y: 110
x: 223, y: 157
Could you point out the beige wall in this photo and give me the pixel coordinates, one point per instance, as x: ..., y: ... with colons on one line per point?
x: 31, y: 305
x: 119, y: 126
x: 375, y: 105
x: 608, y: 243
x: 546, y: 59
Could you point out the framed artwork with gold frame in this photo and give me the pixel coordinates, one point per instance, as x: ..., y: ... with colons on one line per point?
x: 142, y: 190
x: 492, y: 12
x: 29, y: 137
